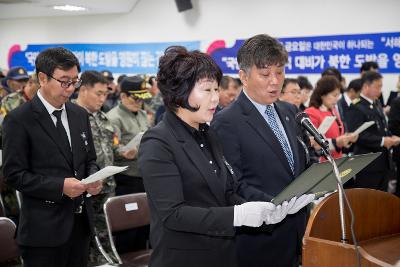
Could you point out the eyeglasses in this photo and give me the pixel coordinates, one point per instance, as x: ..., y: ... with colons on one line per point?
x: 66, y: 84
x: 137, y: 99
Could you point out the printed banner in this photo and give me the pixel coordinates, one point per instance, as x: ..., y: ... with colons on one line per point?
x: 118, y: 58
x: 314, y: 54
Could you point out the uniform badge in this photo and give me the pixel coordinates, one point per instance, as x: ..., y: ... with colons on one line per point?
x: 85, y: 141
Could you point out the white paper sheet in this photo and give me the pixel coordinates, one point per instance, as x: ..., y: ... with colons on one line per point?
x: 134, y: 143
x: 103, y: 174
x: 326, y: 124
x: 363, y: 127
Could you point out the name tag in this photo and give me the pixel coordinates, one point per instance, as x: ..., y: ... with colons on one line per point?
x: 131, y: 206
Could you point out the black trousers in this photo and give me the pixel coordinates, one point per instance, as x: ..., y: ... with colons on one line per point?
x: 133, y: 239
x: 74, y: 253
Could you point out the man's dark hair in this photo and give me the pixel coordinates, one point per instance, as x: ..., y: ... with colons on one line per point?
x: 261, y: 50
x: 57, y: 57
x: 368, y: 65
x: 369, y: 77
x: 287, y: 81
x: 355, y: 85
x: 121, y: 78
x: 91, y: 77
x: 178, y: 72
x: 151, y: 80
x: 304, y: 83
x: 225, y: 82
x: 324, y: 86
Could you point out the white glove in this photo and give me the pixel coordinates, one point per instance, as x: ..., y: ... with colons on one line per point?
x: 251, y: 213
x: 301, y: 202
x: 277, y: 215
x: 318, y: 200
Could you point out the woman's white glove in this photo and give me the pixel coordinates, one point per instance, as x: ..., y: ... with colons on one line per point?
x: 252, y: 213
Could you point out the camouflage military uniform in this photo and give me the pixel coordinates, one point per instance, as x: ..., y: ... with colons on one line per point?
x: 103, y: 136
x: 8, y: 103
x: 127, y: 125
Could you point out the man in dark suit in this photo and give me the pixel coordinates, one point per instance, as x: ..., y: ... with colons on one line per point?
x: 376, y: 138
x: 48, y: 149
x: 351, y: 92
x: 394, y: 127
x: 260, y: 140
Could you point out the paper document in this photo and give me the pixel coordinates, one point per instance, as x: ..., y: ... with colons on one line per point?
x: 134, y: 143
x: 103, y: 174
x: 363, y: 127
x: 326, y: 124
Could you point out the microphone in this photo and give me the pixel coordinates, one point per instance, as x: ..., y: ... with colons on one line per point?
x: 303, y: 119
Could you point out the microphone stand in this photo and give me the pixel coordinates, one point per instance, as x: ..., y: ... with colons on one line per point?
x: 340, y: 192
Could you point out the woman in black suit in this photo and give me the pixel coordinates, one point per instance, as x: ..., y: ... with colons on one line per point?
x: 191, y: 190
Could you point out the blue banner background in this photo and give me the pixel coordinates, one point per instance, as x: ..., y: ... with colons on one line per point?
x: 118, y: 58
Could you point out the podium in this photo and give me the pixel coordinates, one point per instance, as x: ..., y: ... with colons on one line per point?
x: 376, y: 227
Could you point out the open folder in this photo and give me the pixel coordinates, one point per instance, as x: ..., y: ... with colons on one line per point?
x: 320, y: 179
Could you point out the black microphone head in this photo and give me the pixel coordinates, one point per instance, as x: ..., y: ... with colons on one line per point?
x: 300, y: 116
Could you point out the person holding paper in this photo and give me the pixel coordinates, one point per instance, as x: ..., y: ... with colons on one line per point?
x: 129, y: 120
x: 376, y: 138
x: 47, y: 149
x: 323, y: 105
x: 92, y: 95
x: 191, y: 190
x: 260, y: 138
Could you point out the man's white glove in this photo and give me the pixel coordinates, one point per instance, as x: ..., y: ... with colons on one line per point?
x: 319, y: 200
x: 301, y: 202
x: 252, y: 213
x: 280, y: 212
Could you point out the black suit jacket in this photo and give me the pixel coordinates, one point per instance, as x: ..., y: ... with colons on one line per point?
x: 370, y: 139
x: 252, y: 148
x: 36, y: 164
x: 191, y: 207
x: 394, y: 125
x: 343, y: 111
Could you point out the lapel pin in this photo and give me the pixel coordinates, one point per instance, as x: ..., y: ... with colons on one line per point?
x: 287, y: 118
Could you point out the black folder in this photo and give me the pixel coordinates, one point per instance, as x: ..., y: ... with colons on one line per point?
x: 319, y: 178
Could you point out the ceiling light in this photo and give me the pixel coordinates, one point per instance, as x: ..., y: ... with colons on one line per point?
x: 69, y: 8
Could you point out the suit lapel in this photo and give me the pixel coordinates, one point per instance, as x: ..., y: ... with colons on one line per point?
x: 197, y: 157
x: 45, y: 121
x: 259, y: 125
x: 75, y: 131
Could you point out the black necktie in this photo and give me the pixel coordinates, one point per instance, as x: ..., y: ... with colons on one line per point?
x: 62, y: 133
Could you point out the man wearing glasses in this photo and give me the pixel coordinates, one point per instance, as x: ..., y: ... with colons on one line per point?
x: 47, y: 150
x: 129, y: 119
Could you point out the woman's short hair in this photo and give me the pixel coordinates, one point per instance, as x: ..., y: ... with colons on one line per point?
x: 178, y: 72
x: 324, y: 86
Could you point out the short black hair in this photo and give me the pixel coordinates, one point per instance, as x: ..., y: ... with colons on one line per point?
x: 369, y: 77
x: 261, y: 50
x: 287, y: 81
x: 368, y: 65
x: 56, y: 57
x: 121, y: 78
x: 304, y: 83
x: 151, y: 80
x: 324, y: 86
x: 225, y: 82
x: 355, y: 85
x: 91, y: 77
x: 178, y: 72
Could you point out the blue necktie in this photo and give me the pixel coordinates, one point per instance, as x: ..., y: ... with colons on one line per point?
x: 273, y: 124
